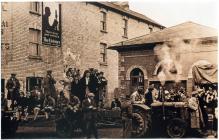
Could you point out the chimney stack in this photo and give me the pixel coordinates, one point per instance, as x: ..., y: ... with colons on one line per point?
x: 122, y: 4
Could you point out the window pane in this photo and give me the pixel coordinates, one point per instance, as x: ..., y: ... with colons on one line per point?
x: 103, y: 52
x: 34, y: 36
x: 34, y: 6
x: 33, y: 49
x: 103, y: 21
x: 125, y: 26
x: 103, y: 16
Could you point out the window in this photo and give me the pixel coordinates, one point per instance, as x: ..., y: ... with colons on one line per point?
x: 103, y: 53
x: 34, y: 49
x: 103, y: 21
x: 4, y: 6
x: 35, y: 7
x: 125, y: 28
x: 33, y: 81
x: 151, y: 29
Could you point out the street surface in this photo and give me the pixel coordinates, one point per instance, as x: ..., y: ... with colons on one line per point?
x: 45, y: 129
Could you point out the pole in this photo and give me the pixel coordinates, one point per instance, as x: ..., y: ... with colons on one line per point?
x: 163, y: 100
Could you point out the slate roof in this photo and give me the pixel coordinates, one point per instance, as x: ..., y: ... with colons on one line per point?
x: 128, y: 12
x: 187, y: 30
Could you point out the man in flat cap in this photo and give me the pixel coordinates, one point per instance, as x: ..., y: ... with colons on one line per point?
x: 49, y: 85
x: 89, y: 115
x: 13, y: 87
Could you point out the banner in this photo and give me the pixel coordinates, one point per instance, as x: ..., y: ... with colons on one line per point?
x: 204, y: 74
x: 51, y: 24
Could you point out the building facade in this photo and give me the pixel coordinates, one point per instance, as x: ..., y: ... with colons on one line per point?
x: 185, y: 45
x: 85, y: 30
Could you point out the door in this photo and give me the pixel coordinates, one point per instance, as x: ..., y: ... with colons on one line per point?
x: 137, y: 79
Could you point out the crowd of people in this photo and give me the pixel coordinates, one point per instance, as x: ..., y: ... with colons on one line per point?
x: 158, y: 95
x: 86, y: 92
x: 202, y: 102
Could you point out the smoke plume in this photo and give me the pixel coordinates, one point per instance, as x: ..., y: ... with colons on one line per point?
x: 170, y: 57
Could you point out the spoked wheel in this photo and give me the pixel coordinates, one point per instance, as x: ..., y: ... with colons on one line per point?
x: 138, y: 125
x: 176, y: 128
x: 63, y: 128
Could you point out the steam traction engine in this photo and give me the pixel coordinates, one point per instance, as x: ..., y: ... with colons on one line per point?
x: 173, y: 117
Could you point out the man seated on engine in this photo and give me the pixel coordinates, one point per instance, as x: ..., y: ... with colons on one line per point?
x: 137, y: 97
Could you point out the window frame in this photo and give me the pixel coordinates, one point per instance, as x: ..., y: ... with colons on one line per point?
x: 150, y: 29
x: 37, y: 43
x: 125, y: 27
x: 33, y: 10
x: 103, y: 53
x: 103, y: 22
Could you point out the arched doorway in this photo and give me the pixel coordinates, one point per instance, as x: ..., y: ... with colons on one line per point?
x: 136, y: 79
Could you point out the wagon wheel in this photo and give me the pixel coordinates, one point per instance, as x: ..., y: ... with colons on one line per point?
x: 63, y: 128
x: 176, y: 128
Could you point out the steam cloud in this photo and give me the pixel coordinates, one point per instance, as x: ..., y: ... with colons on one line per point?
x: 169, y: 54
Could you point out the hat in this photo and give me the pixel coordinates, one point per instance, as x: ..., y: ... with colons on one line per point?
x: 200, y: 90
x: 13, y: 74
x: 166, y: 92
x: 151, y: 86
x: 194, y: 92
x: 90, y: 94
x: 49, y: 71
x: 101, y: 72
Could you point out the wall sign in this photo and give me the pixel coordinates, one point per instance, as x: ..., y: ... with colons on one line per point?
x: 51, y: 24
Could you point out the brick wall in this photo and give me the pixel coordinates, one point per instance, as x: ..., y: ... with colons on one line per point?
x: 80, y: 35
x: 147, y: 60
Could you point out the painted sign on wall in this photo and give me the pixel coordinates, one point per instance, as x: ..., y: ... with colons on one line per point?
x: 51, y: 24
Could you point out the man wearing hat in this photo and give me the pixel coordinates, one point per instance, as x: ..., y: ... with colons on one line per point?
x: 13, y: 87
x: 137, y: 97
x: 89, y: 115
x: 195, y: 111
x: 49, y: 85
x: 102, y: 83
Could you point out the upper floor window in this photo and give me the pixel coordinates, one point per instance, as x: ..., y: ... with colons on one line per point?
x: 35, y: 7
x: 103, y: 52
x: 150, y: 29
x: 34, y: 49
x: 4, y: 6
x: 125, y: 28
x: 103, y: 21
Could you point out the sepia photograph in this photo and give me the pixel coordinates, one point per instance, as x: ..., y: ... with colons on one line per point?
x: 133, y: 69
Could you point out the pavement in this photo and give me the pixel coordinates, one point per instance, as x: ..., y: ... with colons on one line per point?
x: 45, y: 129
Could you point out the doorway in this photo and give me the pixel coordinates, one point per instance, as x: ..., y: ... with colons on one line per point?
x: 136, y: 79
x: 33, y: 81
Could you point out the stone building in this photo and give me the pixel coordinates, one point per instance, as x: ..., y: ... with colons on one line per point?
x: 182, y: 46
x: 85, y: 30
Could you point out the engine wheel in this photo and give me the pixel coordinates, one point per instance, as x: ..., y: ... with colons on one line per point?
x: 141, y: 123
x: 176, y: 128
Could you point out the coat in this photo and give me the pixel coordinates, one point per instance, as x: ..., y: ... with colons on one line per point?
x: 13, y: 87
x: 49, y: 86
x: 84, y: 88
x: 76, y: 89
x: 102, y: 82
x: 89, y: 111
